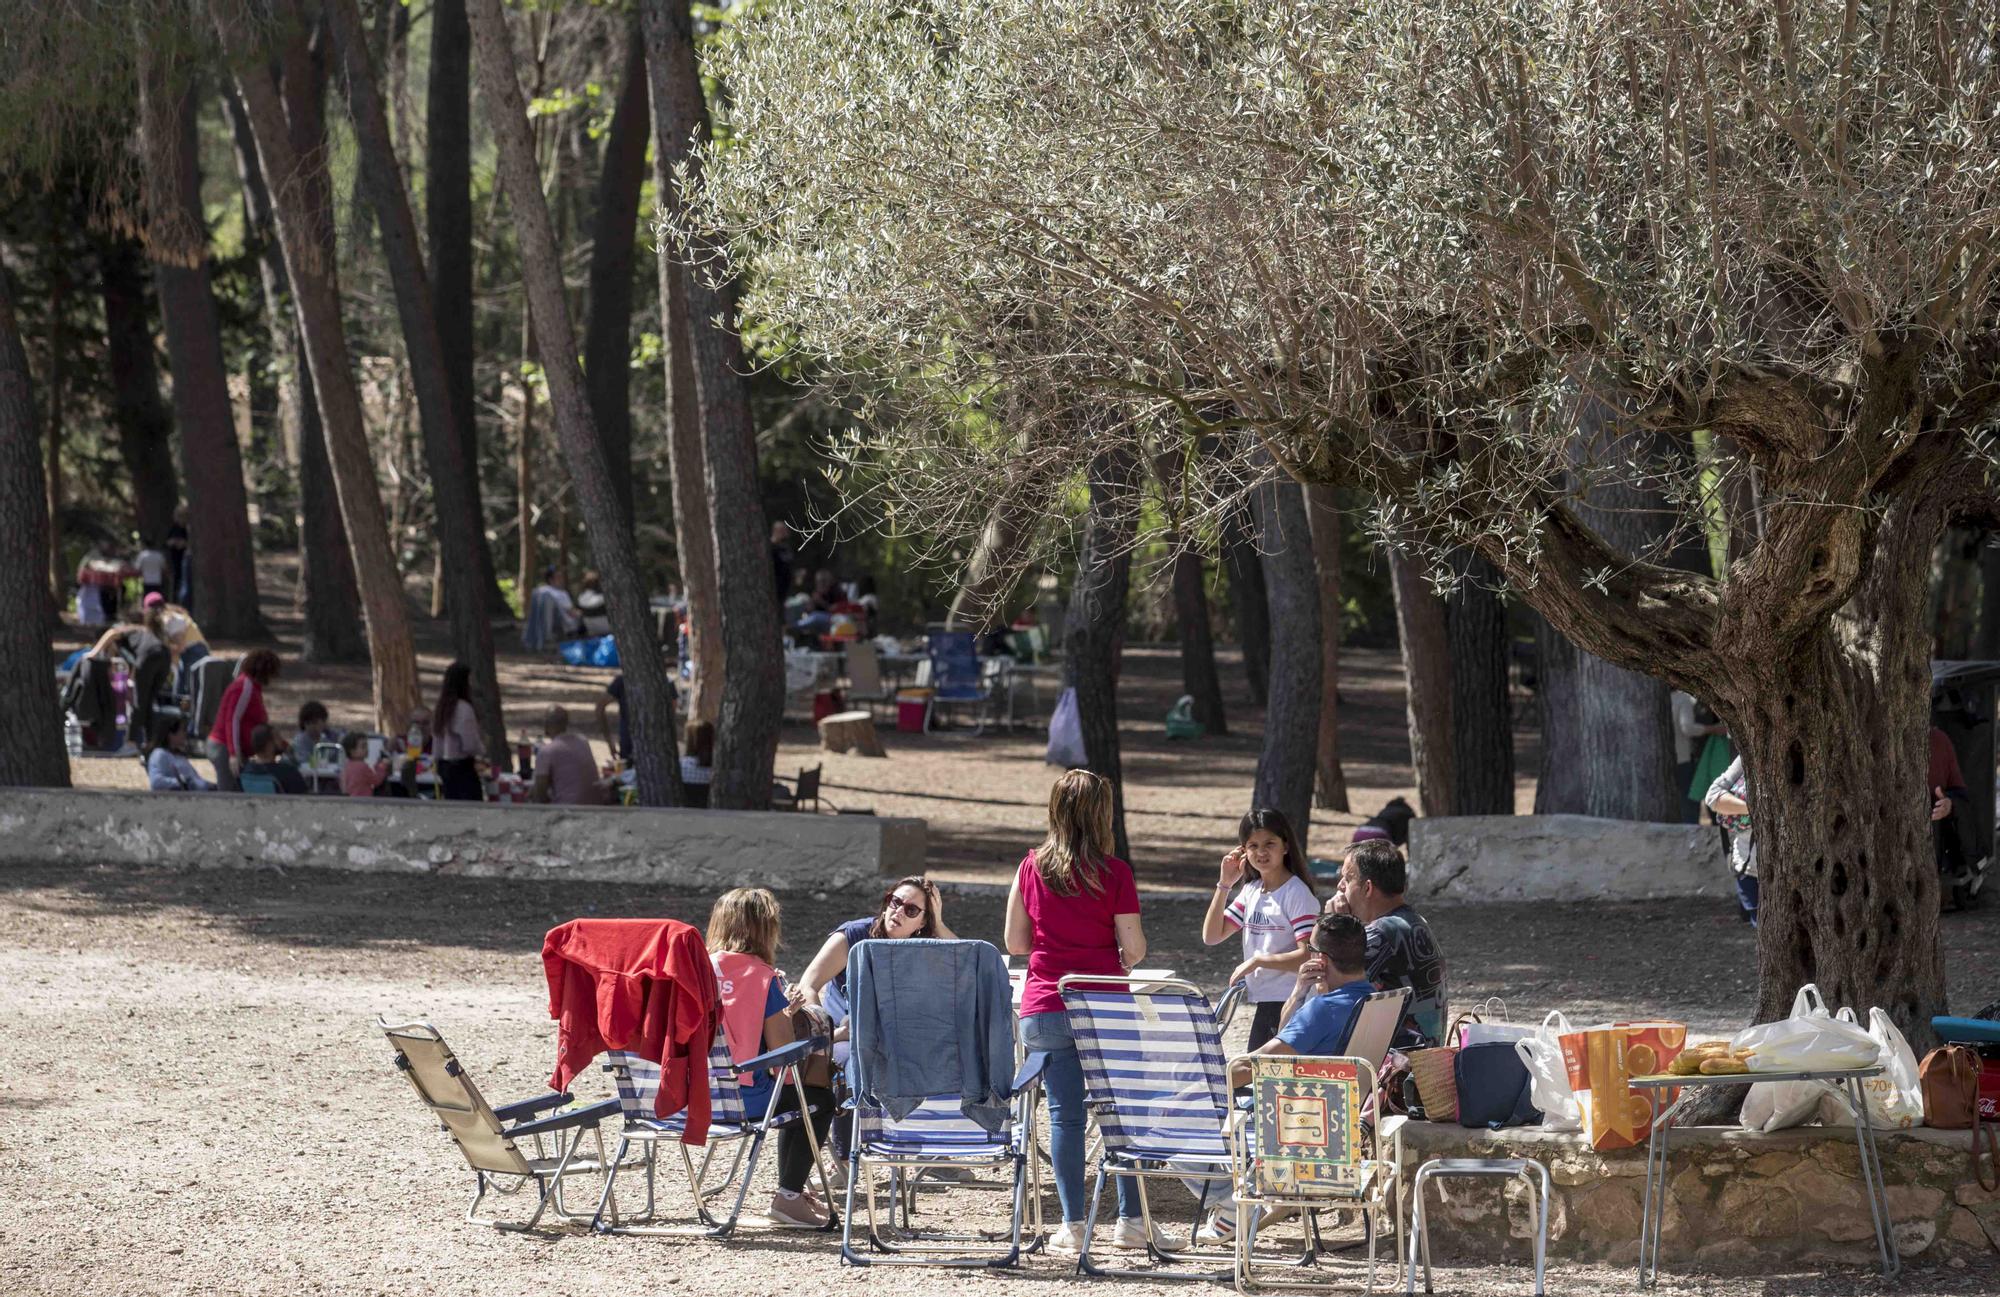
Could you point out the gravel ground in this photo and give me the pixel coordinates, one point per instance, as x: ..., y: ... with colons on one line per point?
x: 195, y: 1101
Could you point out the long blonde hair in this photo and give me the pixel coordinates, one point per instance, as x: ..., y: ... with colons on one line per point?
x: 745, y: 920
x: 1080, y: 835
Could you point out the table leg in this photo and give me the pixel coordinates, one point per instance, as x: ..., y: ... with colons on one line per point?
x: 1873, y: 1181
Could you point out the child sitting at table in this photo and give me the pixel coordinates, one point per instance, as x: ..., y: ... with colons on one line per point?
x: 357, y: 777
x: 313, y: 731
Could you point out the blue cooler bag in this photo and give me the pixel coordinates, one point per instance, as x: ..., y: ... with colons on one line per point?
x: 1493, y: 1089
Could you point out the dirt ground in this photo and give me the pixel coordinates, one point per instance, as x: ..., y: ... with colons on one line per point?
x: 985, y: 798
x: 195, y: 1100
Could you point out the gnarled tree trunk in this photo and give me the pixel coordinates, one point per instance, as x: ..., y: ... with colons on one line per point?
x: 1286, y: 767
x: 1420, y: 626
x: 1248, y: 600
x: 607, y: 333
x: 753, y: 687
x: 145, y: 426
x: 1329, y: 780
x: 31, y: 742
x: 1482, y: 731
x: 648, y: 694
x: 694, y: 528
x: 457, y: 520
x: 1096, y: 619
x: 220, y: 550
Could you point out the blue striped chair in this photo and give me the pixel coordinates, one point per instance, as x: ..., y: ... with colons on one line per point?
x: 638, y: 1083
x: 1154, y: 1077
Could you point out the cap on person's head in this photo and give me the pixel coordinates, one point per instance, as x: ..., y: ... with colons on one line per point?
x: 154, y: 600
x: 1369, y: 833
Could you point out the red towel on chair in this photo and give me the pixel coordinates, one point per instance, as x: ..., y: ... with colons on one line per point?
x: 641, y: 985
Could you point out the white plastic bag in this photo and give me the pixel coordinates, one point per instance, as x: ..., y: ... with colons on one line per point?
x: 1066, y: 734
x: 1810, y: 1039
x: 1895, y: 1098
x: 1548, y: 1077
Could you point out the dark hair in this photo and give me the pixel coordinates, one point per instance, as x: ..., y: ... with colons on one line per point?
x: 879, y: 929
x: 261, y: 665
x: 260, y: 736
x: 163, y: 729
x: 1274, y: 822
x: 699, y: 742
x: 457, y: 688
x: 1343, y: 940
x: 310, y: 711
x: 353, y: 743
x: 549, y: 572
x: 1379, y: 862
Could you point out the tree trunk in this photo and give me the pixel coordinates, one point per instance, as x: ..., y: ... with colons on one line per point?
x: 527, y: 558
x: 1562, y: 785
x: 1199, y: 678
x: 1094, y: 629
x: 1247, y: 598
x: 145, y: 426
x: 753, y: 688
x: 224, y: 561
x: 1420, y: 625
x: 1989, y: 598
x: 1285, y: 768
x: 58, y: 378
x: 648, y: 693
x: 1329, y: 780
x: 694, y: 528
x: 316, y: 298
x: 607, y: 337
x: 1482, y: 730
x: 330, y: 596
x: 1956, y: 614
x: 448, y: 225
x: 981, y: 598
x: 31, y: 743
x: 457, y: 522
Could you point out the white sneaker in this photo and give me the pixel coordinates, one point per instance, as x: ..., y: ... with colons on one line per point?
x: 1131, y: 1233
x: 1218, y: 1228
x: 1067, y: 1238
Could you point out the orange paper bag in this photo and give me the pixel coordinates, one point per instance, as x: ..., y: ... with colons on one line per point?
x: 1601, y: 1062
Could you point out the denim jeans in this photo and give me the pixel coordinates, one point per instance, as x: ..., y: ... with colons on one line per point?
x: 1746, y: 895
x: 1062, y: 1079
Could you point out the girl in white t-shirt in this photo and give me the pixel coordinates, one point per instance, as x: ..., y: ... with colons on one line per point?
x: 1274, y: 911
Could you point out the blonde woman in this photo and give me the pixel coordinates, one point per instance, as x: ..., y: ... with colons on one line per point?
x: 743, y: 935
x: 1073, y: 908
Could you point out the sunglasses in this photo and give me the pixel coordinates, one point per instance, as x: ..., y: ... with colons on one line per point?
x: 892, y: 902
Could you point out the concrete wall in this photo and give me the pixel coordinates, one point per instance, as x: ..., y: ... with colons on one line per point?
x: 1563, y: 858
x: 1738, y: 1203
x: 695, y: 849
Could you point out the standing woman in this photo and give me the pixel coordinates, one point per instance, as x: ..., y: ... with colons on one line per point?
x: 1275, y: 911
x: 240, y: 713
x: 1074, y: 908
x: 455, y: 727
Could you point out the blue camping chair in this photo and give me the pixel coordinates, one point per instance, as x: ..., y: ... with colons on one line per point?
x: 935, y: 1136
x: 638, y: 1084
x: 262, y: 785
x: 956, y: 679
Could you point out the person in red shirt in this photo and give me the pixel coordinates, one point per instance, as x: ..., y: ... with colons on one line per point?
x: 241, y: 712
x: 1074, y: 908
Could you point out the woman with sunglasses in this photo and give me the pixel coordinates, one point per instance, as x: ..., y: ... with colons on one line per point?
x: 912, y: 908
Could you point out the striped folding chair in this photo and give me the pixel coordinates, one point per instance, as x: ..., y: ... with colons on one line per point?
x: 1306, y: 1148
x: 744, y: 1132
x: 1153, y: 1075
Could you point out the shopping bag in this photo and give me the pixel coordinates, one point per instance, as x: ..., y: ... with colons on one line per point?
x: 1548, y: 1079
x: 1437, y: 1082
x: 1493, y: 1087
x: 1895, y: 1098
x: 1601, y: 1061
x: 1489, y: 1024
x: 1066, y: 734
x: 1810, y: 1040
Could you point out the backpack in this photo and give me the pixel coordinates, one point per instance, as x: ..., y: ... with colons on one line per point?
x: 1949, y: 1076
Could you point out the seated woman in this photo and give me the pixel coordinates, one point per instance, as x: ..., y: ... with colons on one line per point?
x: 167, y: 768
x: 912, y: 908
x: 743, y: 934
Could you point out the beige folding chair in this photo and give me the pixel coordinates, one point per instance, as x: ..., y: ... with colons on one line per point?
x: 482, y: 1133
x: 864, y: 677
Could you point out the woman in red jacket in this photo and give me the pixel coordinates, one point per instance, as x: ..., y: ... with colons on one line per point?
x: 242, y: 711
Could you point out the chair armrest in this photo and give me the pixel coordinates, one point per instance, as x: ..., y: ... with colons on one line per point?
x: 529, y: 1107
x: 1031, y: 1070
x: 785, y: 1055
x: 586, y: 1117
x: 1389, y: 1129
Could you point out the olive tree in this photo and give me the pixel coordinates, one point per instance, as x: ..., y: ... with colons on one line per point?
x: 1406, y: 247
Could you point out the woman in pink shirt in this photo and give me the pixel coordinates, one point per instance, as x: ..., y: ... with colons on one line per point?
x: 1074, y: 909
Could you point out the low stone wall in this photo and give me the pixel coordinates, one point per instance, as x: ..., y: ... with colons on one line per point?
x: 695, y: 849
x: 1737, y: 1202
x: 1563, y: 858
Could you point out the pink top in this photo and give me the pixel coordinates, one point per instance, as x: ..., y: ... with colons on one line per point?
x: 1072, y: 934
x: 359, y: 779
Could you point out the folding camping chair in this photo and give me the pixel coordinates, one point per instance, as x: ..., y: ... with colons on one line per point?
x: 1153, y: 1075
x: 489, y: 1144
x: 1307, y: 1149
x: 935, y: 1136
x: 956, y: 678
x: 638, y: 1083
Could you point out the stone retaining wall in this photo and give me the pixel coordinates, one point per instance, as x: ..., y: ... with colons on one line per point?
x: 706, y: 850
x: 1563, y: 858
x: 1738, y: 1202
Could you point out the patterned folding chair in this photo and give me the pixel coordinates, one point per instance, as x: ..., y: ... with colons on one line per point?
x: 1305, y: 1147
x: 638, y: 1083
x: 1153, y: 1075
x: 492, y: 1139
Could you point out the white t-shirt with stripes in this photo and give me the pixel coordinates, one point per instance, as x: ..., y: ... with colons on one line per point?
x: 1273, y: 923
